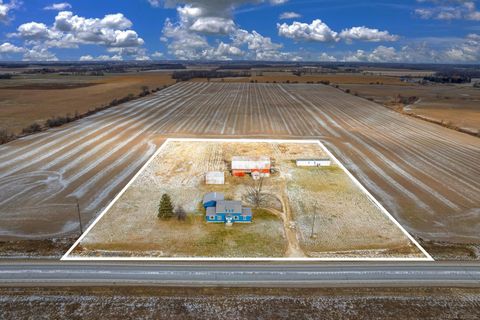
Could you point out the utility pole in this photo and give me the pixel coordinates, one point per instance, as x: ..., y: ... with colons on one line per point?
x: 79, y: 216
x: 314, y: 217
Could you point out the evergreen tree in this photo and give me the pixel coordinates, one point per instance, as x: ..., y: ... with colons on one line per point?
x: 165, y: 209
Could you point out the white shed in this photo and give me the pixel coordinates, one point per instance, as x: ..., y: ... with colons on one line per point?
x: 314, y: 162
x: 215, y: 177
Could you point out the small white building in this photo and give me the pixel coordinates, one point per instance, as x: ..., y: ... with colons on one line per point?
x: 215, y: 177
x: 314, y: 162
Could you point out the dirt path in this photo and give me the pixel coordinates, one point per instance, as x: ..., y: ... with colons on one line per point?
x: 294, y: 250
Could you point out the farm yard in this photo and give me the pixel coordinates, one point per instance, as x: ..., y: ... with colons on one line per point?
x: 427, y: 176
x: 348, y: 223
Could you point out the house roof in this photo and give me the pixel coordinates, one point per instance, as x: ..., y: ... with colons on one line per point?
x: 213, y: 196
x: 229, y: 206
x: 247, y: 158
x: 243, y: 162
x: 211, y: 211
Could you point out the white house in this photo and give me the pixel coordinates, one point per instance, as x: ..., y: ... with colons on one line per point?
x: 215, y: 177
x: 314, y: 162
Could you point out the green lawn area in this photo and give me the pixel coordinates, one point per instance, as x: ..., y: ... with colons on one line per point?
x: 194, y: 237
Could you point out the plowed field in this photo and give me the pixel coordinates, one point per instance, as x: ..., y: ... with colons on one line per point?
x: 427, y: 176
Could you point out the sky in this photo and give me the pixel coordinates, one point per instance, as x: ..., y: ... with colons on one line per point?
x: 412, y: 31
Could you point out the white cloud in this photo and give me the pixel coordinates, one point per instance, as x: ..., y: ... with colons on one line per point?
x: 227, y: 50
x: 187, y: 45
x: 204, y: 20
x: 136, y: 53
x: 448, y: 10
x: 460, y: 51
x: 101, y: 58
x: 113, y: 21
x: 6, y: 7
x: 384, y: 54
x: 36, y: 31
x: 278, y: 2
x: 7, y: 47
x: 379, y: 54
x: 183, y: 43
x: 87, y: 58
x: 260, y: 47
x: 326, y: 57
x: 187, y: 37
x: 39, y: 54
x: 113, y: 32
x: 319, y: 31
x: 70, y: 31
x: 213, y: 25
x: 58, y: 6
x: 467, y: 51
x: 157, y: 55
x: 154, y: 3
x: 85, y: 27
x: 366, y: 34
x: 289, y: 15
x: 209, y: 16
x: 315, y: 31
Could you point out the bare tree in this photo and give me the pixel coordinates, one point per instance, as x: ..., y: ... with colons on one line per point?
x: 181, y: 214
x: 255, y: 194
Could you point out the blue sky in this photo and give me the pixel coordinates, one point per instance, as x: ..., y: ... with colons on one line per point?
x: 444, y: 31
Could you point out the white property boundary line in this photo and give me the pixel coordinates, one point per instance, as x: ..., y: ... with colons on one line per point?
x: 66, y: 256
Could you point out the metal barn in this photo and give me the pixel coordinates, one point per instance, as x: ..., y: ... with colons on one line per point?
x: 314, y: 162
x: 247, y: 165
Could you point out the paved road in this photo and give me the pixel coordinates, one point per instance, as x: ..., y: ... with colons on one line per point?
x: 235, y: 274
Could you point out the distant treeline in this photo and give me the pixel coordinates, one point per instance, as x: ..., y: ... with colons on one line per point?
x: 99, y: 69
x: 243, y: 66
x: 208, y: 74
x: 444, y: 78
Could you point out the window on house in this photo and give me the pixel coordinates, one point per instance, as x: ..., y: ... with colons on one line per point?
x: 235, y: 217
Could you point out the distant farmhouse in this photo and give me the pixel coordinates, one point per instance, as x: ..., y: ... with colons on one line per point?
x: 220, y: 210
x: 255, y: 166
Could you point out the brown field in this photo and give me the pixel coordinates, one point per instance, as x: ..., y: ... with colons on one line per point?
x: 348, y: 223
x: 340, y: 78
x: 426, y: 175
x: 451, y: 104
x: 35, y: 98
x: 454, y: 106
x: 136, y: 302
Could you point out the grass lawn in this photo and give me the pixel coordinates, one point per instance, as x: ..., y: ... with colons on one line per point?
x: 194, y: 238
